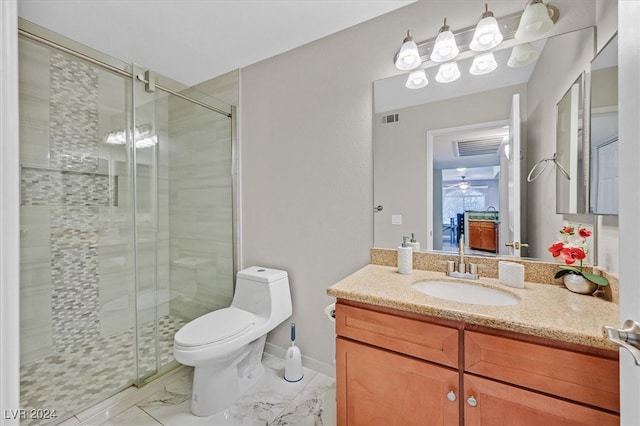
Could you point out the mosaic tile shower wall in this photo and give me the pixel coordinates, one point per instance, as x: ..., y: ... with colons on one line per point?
x: 74, y: 115
x: 73, y: 192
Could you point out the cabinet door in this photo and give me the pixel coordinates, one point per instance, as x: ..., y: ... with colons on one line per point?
x: 475, y: 235
x: 379, y: 387
x: 496, y: 403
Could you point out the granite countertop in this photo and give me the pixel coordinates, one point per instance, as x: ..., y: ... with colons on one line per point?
x: 545, y: 310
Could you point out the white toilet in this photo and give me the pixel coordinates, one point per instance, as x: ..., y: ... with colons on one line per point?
x: 225, y: 346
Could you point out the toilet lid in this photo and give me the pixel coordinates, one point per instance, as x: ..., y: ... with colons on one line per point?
x: 215, y: 326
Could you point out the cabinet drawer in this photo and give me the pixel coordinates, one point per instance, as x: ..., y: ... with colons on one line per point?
x: 431, y: 342
x: 580, y: 377
x: 498, y: 404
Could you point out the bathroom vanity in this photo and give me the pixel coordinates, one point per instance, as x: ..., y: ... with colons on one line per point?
x: 407, y: 358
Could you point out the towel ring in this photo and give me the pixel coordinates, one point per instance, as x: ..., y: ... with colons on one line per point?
x: 542, y: 164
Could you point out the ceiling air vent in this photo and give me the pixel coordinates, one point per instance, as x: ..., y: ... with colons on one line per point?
x: 470, y: 147
x: 390, y: 119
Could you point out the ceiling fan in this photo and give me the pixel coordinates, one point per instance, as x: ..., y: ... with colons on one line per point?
x: 464, y: 184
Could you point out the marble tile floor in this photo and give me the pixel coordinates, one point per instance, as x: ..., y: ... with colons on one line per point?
x: 272, y: 401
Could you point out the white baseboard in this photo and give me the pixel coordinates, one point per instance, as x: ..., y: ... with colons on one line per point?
x: 312, y: 363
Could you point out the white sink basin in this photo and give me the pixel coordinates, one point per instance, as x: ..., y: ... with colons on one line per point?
x: 466, y: 293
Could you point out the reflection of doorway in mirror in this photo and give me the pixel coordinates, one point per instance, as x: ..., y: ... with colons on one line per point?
x: 472, y: 151
x: 468, y: 194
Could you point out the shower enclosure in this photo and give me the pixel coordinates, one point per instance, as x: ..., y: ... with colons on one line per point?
x: 126, y: 220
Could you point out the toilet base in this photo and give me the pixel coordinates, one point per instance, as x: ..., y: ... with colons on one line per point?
x: 218, y: 385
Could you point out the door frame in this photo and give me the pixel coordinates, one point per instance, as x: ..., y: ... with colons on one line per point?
x: 430, y: 136
x: 629, y: 153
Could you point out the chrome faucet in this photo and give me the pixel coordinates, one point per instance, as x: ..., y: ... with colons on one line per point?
x: 471, y: 274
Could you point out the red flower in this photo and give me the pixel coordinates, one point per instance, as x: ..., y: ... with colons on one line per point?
x: 556, y: 249
x: 584, y: 233
x: 567, y: 230
x: 572, y: 254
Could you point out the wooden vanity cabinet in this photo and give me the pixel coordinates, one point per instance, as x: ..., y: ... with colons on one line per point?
x: 382, y: 376
x: 398, y: 368
x: 483, y: 235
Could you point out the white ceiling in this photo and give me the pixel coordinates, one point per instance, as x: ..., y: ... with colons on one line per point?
x: 195, y: 40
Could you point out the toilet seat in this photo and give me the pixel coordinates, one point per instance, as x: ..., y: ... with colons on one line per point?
x: 214, y: 327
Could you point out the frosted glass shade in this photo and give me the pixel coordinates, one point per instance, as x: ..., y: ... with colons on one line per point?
x: 448, y: 72
x: 522, y: 55
x: 534, y: 23
x: 487, y: 35
x: 483, y: 64
x: 417, y: 80
x: 408, y: 57
x: 445, y: 47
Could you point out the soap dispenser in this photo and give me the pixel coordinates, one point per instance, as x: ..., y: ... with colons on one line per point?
x: 415, y: 245
x: 405, y: 257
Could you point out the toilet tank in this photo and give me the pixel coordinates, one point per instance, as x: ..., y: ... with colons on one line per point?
x: 263, y: 292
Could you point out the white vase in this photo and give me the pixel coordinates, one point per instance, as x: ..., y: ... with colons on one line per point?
x: 579, y: 284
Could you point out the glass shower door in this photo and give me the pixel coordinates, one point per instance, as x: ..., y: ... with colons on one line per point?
x: 184, y: 213
x: 77, y: 259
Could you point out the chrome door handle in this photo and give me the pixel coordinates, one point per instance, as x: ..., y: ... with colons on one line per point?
x: 628, y: 337
x: 516, y: 245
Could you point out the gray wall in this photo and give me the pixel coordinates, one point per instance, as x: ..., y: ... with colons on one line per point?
x: 306, y: 152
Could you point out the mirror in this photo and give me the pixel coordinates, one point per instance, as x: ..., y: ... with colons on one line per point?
x: 603, y: 195
x: 406, y: 120
x: 571, y: 191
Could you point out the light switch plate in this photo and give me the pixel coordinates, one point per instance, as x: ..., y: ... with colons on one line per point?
x: 396, y: 219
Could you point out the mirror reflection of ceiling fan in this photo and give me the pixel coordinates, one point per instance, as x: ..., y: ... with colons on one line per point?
x: 464, y: 184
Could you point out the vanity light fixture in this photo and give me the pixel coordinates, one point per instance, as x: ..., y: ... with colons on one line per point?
x: 445, y: 48
x: 483, y: 64
x: 448, y: 72
x: 522, y: 55
x: 487, y: 34
x: 408, y: 57
x: 536, y: 21
x: 417, y: 80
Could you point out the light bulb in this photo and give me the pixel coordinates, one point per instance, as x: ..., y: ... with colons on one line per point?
x: 417, y: 80
x: 522, y: 55
x: 535, y: 22
x: 445, y: 47
x: 408, y: 57
x: 487, y: 34
x: 448, y: 72
x: 483, y: 64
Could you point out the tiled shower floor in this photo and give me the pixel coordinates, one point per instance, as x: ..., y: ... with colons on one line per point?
x: 73, y: 379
